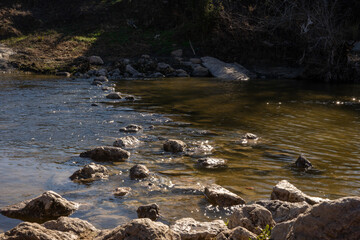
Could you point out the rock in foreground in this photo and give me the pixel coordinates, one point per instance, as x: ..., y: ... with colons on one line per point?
x: 221, y: 196
x: 49, y: 205
x: 190, y: 229
x: 139, y: 171
x: 90, y: 172
x: 174, y: 146
x: 338, y: 219
x: 149, y: 211
x: 105, y: 153
x: 238, y: 233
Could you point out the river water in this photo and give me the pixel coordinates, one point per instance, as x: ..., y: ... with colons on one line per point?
x: 45, y: 122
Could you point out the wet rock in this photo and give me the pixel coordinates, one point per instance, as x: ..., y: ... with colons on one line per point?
x: 338, y: 219
x: 132, y: 71
x: 177, y: 53
x: 250, y: 136
x: 141, y: 229
x: 252, y: 217
x: 238, y: 233
x: 211, y: 163
x: 139, y: 171
x: 126, y: 142
x: 190, y: 229
x: 199, y: 149
x: 174, y: 146
x: 81, y: 228
x: 130, y: 98
x: 94, y: 105
x: 220, y: 196
x: 283, y: 211
x: 96, y: 83
x: 96, y: 60
x: 200, y: 71
x: 303, y: 163
x: 91, y: 172
x: 63, y: 74
x: 132, y: 128
x: 285, y: 191
x: 101, y: 79
x: 193, y: 189
x: 35, y: 231
x: 181, y: 73
x: 122, y: 191
x: 164, y: 68
x: 149, y: 211
x: 114, y: 95
x: 106, y: 88
x: 105, y: 153
x: 49, y: 205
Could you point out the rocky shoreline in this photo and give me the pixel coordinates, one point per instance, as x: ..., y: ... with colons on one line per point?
x: 290, y: 213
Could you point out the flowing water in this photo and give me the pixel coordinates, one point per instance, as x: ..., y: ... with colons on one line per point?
x: 45, y: 122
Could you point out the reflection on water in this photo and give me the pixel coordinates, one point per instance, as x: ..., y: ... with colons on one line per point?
x: 45, y: 123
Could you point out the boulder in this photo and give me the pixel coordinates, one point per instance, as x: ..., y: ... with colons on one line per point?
x: 91, y: 172
x: 226, y: 71
x: 49, y: 205
x: 81, y: 228
x: 101, y: 79
x: 141, y: 229
x: 114, y: 95
x: 200, y: 71
x: 174, y: 146
x: 238, y: 233
x: 335, y: 220
x: 164, y: 68
x: 95, y: 60
x: 63, y: 74
x: 285, y: 191
x: 139, y: 171
x: 101, y: 72
x: 181, y: 73
x: 149, y: 211
x: 252, y: 217
x: 283, y: 211
x: 177, y: 53
x: 105, y: 153
x: 303, y: 163
x: 190, y: 229
x: 35, y: 231
x: 122, y: 191
x: 132, y: 128
x: 132, y: 71
x: 218, y: 195
x: 126, y: 142
x: 211, y: 162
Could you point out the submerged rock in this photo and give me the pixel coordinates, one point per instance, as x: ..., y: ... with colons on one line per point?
x: 199, y: 149
x: 284, y: 211
x: 122, y: 191
x: 338, y: 219
x: 142, y: 229
x: 238, y: 233
x: 90, y: 172
x: 126, y: 142
x: 149, y: 211
x: 252, y: 217
x: 212, y: 162
x: 114, y: 95
x: 105, y: 153
x: 285, y: 191
x: 303, y: 163
x: 190, y: 229
x: 220, y: 196
x: 49, y: 205
x: 174, y: 146
x: 139, y: 171
x: 132, y: 128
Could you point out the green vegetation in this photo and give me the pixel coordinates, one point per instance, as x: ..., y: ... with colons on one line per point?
x: 265, y: 234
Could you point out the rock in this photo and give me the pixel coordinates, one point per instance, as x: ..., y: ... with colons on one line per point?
x: 211, y: 162
x: 195, y: 60
x: 101, y: 72
x: 130, y: 98
x: 114, y: 95
x: 181, y: 73
x: 238, y: 233
x: 34, y: 231
x: 63, y: 74
x: 356, y: 47
x: 190, y: 229
x: 96, y: 83
x: 101, y: 79
x: 126, y: 142
x: 94, y: 105
x: 96, y: 60
x: 132, y: 128
x: 338, y: 219
x: 303, y: 163
x: 177, y: 53
x: 174, y: 146
x: 226, y: 71
x: 106, y: 88
x: 221, y: 196
x: 90, y: 172
x: 139, y: 171
x: 81, y: 228
x: 285, y: 191
x: 250, y: 136
x: 49, y: 205
x: 156, y: 75
x: 164, y: 68
x: 148, y: 211
x: 122, y: 191
x: 142, y: 229
x: 131, y: 70
x: 200, y: 71
x: 194, y: 189
x: 200, y: 149
x: 252, y: 217
x: 283, y: 211
x: 105, y: 153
